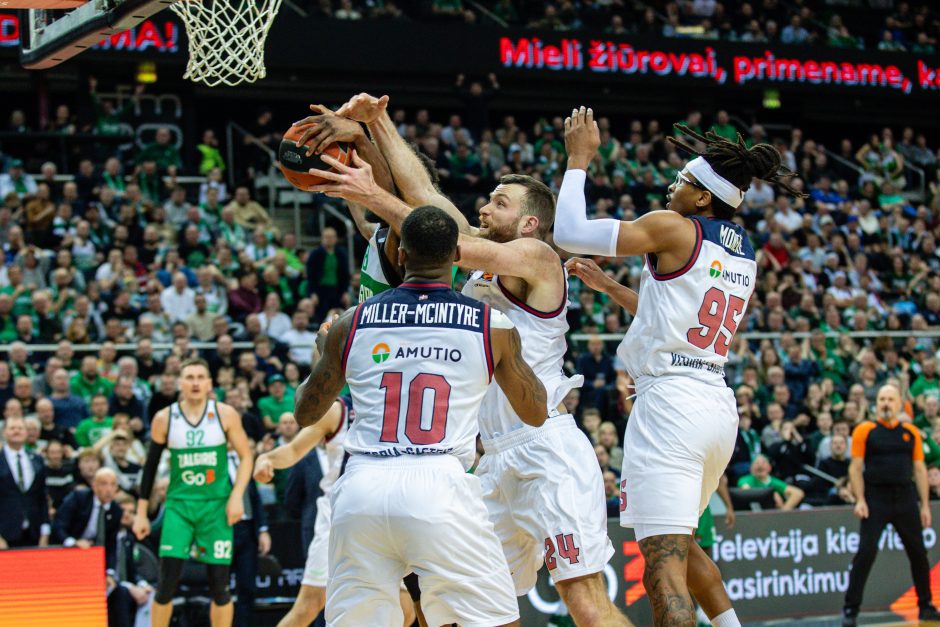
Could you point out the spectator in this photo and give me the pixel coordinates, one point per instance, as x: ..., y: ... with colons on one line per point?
x: 612, y: 493
x: 97, y: 426
x: 15, y: 181
x: 22, y: 491
x: 274, y: 322
x: 608, y: 438
x: 786, y: 496
x: 246, y: 299
x: 603, y: 459
x: 247, y: 213
x: 278, y: 402
x: 597, y: 367
x: 301, y: 339
x: 124, y: 401
x: 70, y: 409
x: 114, y: 448
x: 250, y: 539
x: 328, y: 271
x: 178, y: 300
x: 163, y: 153
x: 60, y: 472
x: 50, y: 430
x: 130, y: 590
x: 201, y: 321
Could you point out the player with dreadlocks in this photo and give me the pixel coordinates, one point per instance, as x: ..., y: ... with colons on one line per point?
x: 698, y: 277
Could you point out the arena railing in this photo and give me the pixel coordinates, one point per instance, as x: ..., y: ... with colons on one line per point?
x: 766, y: 335
x: 576, y: 337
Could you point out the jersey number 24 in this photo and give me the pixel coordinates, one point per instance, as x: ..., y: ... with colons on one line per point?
x: 438, y: 385
x: 718, y: 311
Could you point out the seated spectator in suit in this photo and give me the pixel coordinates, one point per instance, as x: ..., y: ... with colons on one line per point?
x: 89, y: 518
x: 128, y: 590
x: 23, y: 500
x: 787, y: 496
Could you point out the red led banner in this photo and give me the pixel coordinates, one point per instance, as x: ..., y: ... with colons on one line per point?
x: 772, y: 66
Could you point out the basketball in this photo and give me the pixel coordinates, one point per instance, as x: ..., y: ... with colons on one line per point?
x: 295, y: 164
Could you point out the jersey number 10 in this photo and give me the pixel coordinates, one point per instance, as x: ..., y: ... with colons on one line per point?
x: 392, y: 384
x: 717, y: 312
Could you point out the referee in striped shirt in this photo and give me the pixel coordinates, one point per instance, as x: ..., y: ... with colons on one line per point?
x: 886, y: 455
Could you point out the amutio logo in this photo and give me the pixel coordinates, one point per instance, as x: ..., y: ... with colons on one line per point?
x: 380, y: 352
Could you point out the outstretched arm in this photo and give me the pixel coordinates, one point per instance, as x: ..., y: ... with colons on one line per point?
x: 596, y: 279
x: 655, y: 232
x: 320, y: 389
x: 412, y: 180
x: 522, y: 387
x: 306, y: 440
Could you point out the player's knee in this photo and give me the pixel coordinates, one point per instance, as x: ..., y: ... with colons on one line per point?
x: 218, y: 576
x: 170, y: 570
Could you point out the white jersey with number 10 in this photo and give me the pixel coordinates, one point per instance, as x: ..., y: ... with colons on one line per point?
x: 686, y: 319
x: 418, y: 363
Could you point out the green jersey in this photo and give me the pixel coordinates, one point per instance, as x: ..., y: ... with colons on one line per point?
x: 198, y: 461
x: 376, y: 268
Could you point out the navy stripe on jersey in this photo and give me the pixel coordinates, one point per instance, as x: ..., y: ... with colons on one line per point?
x: 651, y: 258
x: 349, y: 338
x: 428, y: 305
x: 730, y: 236
x: 535, y: 312
x: 487, y: 343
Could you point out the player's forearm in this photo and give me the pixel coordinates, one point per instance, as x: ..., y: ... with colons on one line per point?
x: 407, y: 171
x: 358, y: 213
x: 371, y: 154
x: 282, y: 457
x: 627, y: 298
x: 573, y: 231
x: 390, y: 209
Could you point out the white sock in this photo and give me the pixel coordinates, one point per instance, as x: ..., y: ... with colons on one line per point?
x: 701, y: 615
x: 726, y: 619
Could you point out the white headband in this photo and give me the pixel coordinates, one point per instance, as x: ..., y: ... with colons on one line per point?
x: 721, y: 187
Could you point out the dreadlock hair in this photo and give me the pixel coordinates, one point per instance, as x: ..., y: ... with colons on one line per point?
x: 738, y: 164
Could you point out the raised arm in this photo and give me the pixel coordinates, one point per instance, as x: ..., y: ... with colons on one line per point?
x: 318, y: 391
x: 655, y: 232
x: 524, y: 390
x: 306, y: 440
x: 412, y: 180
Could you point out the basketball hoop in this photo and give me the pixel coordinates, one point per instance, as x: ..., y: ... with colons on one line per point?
x: 226, y: 39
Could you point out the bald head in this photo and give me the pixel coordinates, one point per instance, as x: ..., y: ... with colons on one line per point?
x: 888, y: 402
x: 105, y: 485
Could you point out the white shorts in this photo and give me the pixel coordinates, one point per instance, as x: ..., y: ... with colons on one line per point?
x: 678, y: 443
x: 545, y: 494
x: 317, y: 566
x: 392, y: 517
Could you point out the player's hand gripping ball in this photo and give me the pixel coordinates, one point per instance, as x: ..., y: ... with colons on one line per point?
x: 295, y: 164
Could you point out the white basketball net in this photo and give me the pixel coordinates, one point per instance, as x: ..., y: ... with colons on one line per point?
x: 226, y: 39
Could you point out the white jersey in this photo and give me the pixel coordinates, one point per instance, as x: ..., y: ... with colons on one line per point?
x: 686, y: 319
x: 331, y: 451
x: 543, y: 348
x: 418, y: 362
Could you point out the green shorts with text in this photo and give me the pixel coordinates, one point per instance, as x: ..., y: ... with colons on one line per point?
x: 198, y: 530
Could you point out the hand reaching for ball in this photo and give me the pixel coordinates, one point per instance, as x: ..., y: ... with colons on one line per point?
x: 363, y: 108
x: 326, y: 128
x: 354, y: 182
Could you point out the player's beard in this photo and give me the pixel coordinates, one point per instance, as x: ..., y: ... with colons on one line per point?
x: 501, y: 234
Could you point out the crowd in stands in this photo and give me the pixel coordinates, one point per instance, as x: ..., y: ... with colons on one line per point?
x: 121, y: 255
x: 858, y: 24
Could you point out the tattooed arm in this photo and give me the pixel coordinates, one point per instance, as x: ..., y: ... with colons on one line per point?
x: 524, y: 390
x: 319, y: 390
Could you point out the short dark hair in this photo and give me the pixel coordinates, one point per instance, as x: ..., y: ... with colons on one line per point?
x: 429, y: 236
x: 538, y: 200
